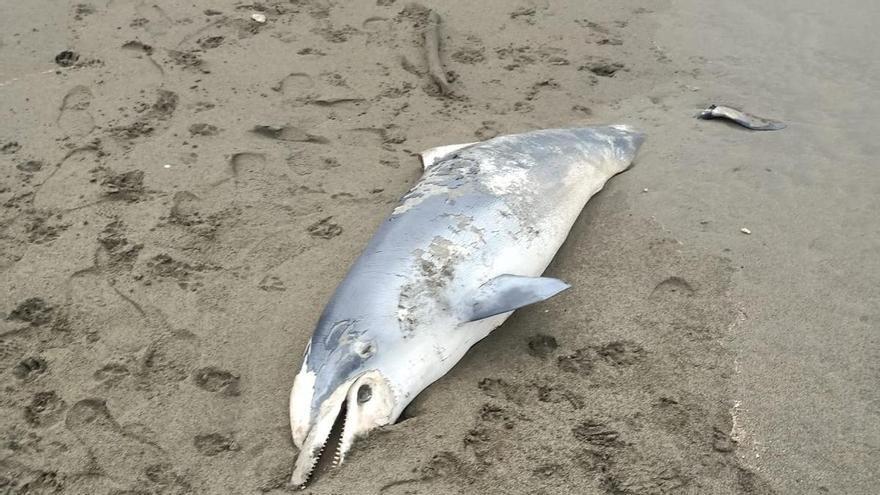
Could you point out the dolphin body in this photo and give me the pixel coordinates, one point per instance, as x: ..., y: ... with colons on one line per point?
x: 463, y: 249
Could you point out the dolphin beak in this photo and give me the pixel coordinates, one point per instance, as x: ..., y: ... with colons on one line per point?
x: 311, y: 433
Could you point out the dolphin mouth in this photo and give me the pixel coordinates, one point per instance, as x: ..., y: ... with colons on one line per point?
x: 356, y: 407
x: 328, y: 431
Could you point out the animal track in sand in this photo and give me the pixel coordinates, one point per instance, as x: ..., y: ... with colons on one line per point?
x: 597, y: 434
x: 581, y: 362
x: 29, y: 368
x: 34, y: 310
x: 10, y: 352
x: 126, y: 185
x: 118, y: 253
x: 112, y: 373
x: 603, y: 69
x: 615, y: 354
x: 555, y: 394
x: 20, y: 479
x: 487, y: 131
x: 73, y: 115
x: 30, y: 166
x: 217, y: 380
x: 210, y: 42
x: 469, y: 56
x: 541, y: 345
x: 324, y: 228
x: 10, y: 148
x: 153, y: 118
x: 45, y: 409
x: 620, y: 353
x: 211, y: 444
x: 499, y: 388
x: 203, y: 129
x: 271, y: 283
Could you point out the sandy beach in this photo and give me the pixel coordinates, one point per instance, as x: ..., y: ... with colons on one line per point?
x: 182, y: 187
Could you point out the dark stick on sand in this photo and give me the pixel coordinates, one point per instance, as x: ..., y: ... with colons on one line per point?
x: 432, y: 53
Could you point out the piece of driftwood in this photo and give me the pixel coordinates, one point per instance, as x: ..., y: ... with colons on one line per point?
x: 432, y: 53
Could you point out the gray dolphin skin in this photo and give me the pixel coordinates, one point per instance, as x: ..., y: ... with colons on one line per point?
x: 464, y: 248
x: 744, y: 119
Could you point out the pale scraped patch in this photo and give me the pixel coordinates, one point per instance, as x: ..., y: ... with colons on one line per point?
x: 425, y: 190
x: 508, y: 181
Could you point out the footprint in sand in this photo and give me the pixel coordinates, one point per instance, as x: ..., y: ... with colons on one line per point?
x: 168, y: 360
x: 673, y: 287
x: 144, y: 53
x: 120, y: 453
x: 295, y: 84
x: 288, y: 133
x: 245, y: 162
x: 376, y: 24
x: 153, y: 18
x: 74, y: 117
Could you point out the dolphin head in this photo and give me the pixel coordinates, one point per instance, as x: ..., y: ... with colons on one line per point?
x: 339, y: 394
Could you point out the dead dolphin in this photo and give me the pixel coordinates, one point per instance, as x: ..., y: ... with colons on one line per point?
x: 744, y: 119
x: 463, y: 249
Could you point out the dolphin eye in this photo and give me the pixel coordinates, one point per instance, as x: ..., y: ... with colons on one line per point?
x: 365, y: 393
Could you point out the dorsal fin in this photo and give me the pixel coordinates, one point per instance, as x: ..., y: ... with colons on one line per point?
x: 430, y: 156
x: 509, y: 292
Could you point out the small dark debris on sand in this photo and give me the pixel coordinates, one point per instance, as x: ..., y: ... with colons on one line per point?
x: 66, y: 58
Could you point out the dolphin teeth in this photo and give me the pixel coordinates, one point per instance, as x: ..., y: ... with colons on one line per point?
x: 337, y: 458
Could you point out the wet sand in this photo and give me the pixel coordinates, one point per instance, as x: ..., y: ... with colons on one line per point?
x: 180, y: 198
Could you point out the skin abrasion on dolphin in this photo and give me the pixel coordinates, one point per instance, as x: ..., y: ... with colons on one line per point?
x: 462, y: 250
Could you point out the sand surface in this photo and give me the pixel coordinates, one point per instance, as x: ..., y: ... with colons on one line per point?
x: 178, y: 201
